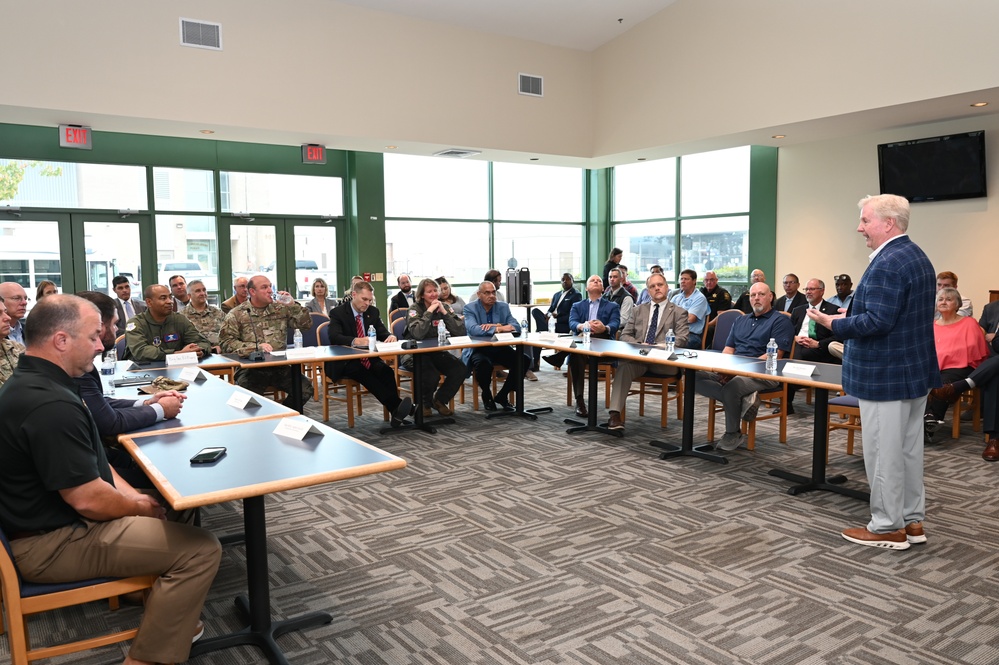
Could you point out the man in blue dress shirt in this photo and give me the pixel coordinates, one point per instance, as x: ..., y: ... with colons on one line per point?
x: 484, y: 317
x: 604, y: 318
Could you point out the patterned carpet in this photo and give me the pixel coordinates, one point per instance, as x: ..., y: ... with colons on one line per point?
x: 507, y: 542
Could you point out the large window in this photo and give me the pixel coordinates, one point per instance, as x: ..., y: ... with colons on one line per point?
x: 645, y: 190
x: 280, y: 194
x: 547, y: 249
x: 37, y: 184
x: 436, y: 187
x: 522, y: 192
x: 457, y: 250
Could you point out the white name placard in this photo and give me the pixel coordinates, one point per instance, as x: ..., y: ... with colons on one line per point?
x: 505, y: 337
x: 544, y: 336
x: 295, y: 428
x: 190, y: 374
x: 661, y: 354
x: 189, y: 358
x: 389, y: 346
x: 798, y: 369
x: 461, y: 339
x: 277, y: 354
x: 559, y: 342
x: 306, y: 352
x: 242, y: 400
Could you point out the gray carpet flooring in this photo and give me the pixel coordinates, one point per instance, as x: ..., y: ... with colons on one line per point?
x: 508, y: 542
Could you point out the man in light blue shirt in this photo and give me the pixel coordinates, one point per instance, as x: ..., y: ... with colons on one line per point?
x: 844, y: 292
x: 692, y: 300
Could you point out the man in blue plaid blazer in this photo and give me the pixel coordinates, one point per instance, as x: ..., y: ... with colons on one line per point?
x: 890, y: 364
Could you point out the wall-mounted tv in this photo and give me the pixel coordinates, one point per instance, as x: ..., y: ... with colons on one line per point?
x: 934, y: 169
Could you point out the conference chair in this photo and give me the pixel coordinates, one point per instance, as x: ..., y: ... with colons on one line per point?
x: 353, y: 391
x: 847, y: 407
x: 24, y: 599
x: 403, y: 374
x: 971, y: 399
x: 722, y: 326
x: 119, y: 346
x: 653, y: 385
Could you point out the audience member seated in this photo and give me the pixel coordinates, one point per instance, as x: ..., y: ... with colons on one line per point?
x: 46, y: 288
x: 349, y: 323
x: 178, y: 286
x: 561, y: 305
x: 261, y: 324
x: 649, y: 324
x: 484, y: 317
x: 844, y: 292
x: 960, y: 346
x: 613, y: 261
x: 496, y: 277
x: 449, y: 297
x: 240, y: 294
x: 986, y: 378
x: 126, y: 305
x: 618, y: 295
x: 206, y: 318
x: 159, y: 331
x: 693, y: 301
x: 604, y: 318
x: 68, y: 514
x: 628, y: 286
x: 792, y: 298
x: 990, y: 320
x: 948, y: 280
x: 644, y: 296
x: 811, y: 339
x: 404, y: 298
x: 749, y: 337
x: 743, y: 304
x: 719, y: 300
x: 321, y: 302
x: 17, y: 306
x: 11, y: 350
x: 421, y: 323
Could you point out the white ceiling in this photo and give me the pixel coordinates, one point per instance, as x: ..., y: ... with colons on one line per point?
x: 578, y: 24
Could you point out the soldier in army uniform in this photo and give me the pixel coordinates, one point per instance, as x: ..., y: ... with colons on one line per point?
x: 206, y: 318
x: 159, y: 331
x: 261, y: 324
x: 10, y: 350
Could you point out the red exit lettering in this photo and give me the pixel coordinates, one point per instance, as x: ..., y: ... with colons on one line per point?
x: 315, y: 152
x: 76, y: 135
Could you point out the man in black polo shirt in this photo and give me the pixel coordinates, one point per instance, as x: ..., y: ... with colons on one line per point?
x: 67, y: 513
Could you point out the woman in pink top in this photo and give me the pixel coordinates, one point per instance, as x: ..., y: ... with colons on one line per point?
x: 960, y: 345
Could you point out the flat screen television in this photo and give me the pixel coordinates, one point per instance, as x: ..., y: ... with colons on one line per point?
x: 934, y: 169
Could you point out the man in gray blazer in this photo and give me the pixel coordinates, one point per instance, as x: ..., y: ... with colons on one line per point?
x: 126, y: 305
x: 648, y: 324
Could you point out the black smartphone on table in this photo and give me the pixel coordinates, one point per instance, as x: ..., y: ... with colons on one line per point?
x: 208, y: 455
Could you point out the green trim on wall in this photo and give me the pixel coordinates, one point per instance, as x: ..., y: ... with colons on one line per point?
x: 763, y: 212
x: 597, y: 239
x: 365, y: 236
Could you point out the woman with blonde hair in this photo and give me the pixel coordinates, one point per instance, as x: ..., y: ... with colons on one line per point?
x: 45, y: 288
x: 321, y: 303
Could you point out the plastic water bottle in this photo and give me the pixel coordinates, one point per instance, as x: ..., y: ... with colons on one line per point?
x: 670, y: 341
x: 108, y: 366
x: 372, y: 338
x: 772, y: 356
x: 551, y: 325
x: 586, y: 334
x: 441, y: 333
x: 298, y: 338
x: 523, y: 328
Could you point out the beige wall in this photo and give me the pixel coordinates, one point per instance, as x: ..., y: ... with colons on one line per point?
x: 818, y: 188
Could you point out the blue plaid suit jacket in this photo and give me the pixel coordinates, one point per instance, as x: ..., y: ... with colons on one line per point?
x: 890, y: 352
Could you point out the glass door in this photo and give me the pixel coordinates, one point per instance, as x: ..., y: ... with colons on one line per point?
x: 35, y: 248
x: 105, y: 246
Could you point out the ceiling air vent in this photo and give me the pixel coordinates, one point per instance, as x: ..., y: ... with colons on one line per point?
x: 531, y: 85
x: 457, y: 152
x: 201, y: 34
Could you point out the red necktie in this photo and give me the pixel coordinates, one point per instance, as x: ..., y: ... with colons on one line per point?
x: 360, y: 333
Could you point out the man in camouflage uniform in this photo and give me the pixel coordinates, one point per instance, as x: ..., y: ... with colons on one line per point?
x: 10, y: 350
x: 158, y: 331
x: 206, y: 318
x: 261, y: 324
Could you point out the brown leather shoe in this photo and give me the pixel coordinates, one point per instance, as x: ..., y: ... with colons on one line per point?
x: 615, y: 421
x: 581, y: 408
x: 914, y: 533
x: 991, y: 452
x: 893, y: 540
x: 442, y: 408
x: 946, y: 394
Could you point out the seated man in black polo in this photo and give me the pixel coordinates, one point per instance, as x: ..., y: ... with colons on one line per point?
x: 749, y: 337
x: 69, y: 516
x: 349, y: 323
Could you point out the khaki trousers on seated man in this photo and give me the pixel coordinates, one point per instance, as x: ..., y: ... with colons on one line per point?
x: 648, y: 324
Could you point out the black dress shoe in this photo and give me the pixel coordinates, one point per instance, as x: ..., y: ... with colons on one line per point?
x: 403, y: 410
x: 581, y: 409
x: 488, y: 403
x: 553, y: 361
x: 504, y: 403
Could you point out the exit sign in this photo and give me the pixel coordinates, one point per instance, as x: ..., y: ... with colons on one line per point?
x: 76, y: 136
x: 313, y: 153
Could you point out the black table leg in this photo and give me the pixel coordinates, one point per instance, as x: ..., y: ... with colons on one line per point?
x: 296, y: 387
x: 591, y: 421
x: 820, y: 441
x: 420, y: 422
x: 518, y: 367
x: 261, y: 631
x: 687, y: 448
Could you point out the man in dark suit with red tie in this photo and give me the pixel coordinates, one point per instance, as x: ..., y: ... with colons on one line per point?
x: 349, y: 323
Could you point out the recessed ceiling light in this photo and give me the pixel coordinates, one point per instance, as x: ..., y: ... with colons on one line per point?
x: 207, y: 131
x: 390, y: 147
x: 779, y: 136
x: 980, y: 104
